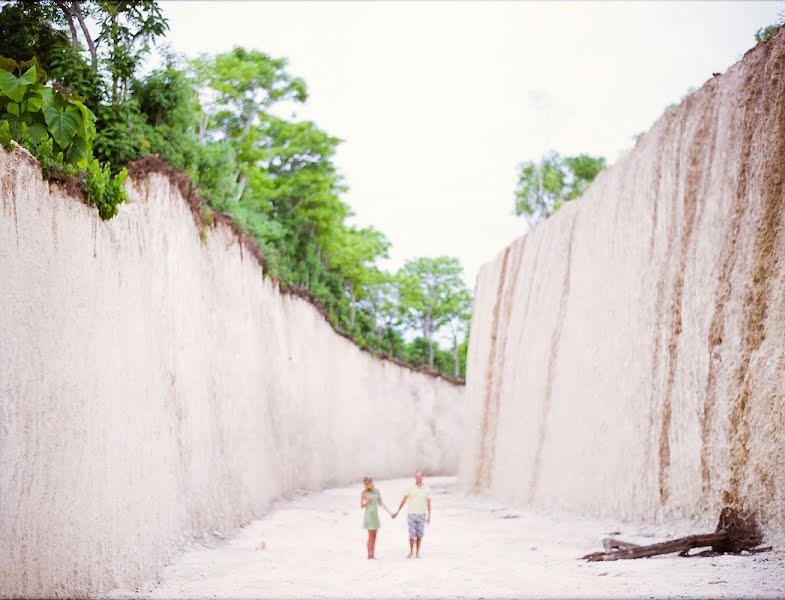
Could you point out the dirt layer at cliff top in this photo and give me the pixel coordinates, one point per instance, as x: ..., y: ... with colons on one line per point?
x: 206, y: 217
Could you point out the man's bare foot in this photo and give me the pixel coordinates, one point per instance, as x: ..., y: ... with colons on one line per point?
x: 410, y: 555
x: 418, y: 556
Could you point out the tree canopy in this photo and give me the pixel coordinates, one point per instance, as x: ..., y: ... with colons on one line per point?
x: 544, y: 187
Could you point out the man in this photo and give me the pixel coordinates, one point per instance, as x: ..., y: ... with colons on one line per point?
x: 419, y: 497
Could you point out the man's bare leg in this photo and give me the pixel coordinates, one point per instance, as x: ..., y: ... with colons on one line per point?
x: 411, y: 547
x: 418, y: 547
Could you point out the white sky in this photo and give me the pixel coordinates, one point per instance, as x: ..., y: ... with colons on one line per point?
x: 434, y: 100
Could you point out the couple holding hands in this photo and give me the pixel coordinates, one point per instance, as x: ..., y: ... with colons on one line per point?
x: 419, y: 498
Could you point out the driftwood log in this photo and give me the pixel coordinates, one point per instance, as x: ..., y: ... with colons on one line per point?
x: 736, y: 531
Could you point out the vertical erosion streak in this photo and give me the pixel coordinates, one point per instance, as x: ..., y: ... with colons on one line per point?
x: 756, y: 299
x: 662, y: 281
x: 701, y: 143
x: 727, y: 264
x: 505, y: 296
x: 482, y: 470
x: 552, y: 357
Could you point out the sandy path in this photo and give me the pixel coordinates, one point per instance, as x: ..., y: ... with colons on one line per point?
x: 312, y: 546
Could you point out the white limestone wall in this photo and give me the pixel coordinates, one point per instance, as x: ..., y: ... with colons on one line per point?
x: 627, y: 356
x: 155, y: 389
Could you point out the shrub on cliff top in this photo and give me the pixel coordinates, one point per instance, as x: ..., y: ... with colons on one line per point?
x: 764, y: 33
x: 53, y: 123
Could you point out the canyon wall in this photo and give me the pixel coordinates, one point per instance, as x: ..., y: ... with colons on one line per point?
x: 627, y: 356
x: 155, y: 388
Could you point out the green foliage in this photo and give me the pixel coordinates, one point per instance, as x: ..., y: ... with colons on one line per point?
x: 59, y: 130
x: 34, y: 111
x: 764, y: 33
x: 121, y: 133
x: 30, y: 29
x: 130, y: 27
x: 68, y: 67
x: 5, y: 136
x: 544, y: 188
x: 104, y: 190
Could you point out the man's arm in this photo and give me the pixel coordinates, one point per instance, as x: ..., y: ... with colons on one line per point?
x: 429, y: 510
x: 401, y: 506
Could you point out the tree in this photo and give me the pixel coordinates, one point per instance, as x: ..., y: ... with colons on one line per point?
x: 353, y: 256
x: 581, y: 169
x: 458, y: 326
x: 129, y: 27
x: 126, y: 31
x: 544, y: 188
x: 46, y: 31
x: 30, y: 30
x: 58, y: 31
x: 381, y: 299
x: 432, y: 294
x: 765, y: 33
x: 246, y: 83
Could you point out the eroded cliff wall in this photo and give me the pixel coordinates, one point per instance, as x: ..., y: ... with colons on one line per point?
x: 155, y: 389
x: 627, y: 357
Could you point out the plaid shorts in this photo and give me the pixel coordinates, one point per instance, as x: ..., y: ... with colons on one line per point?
x: 416, y: 525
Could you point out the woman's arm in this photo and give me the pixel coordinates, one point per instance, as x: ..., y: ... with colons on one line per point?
x: 363, y: 500
x: 384, y: 506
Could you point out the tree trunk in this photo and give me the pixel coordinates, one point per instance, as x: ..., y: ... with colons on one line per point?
x: 428, y: 331
x: 69, y: 18
x: 247, y: 126
x: 241, y: 186
x: 248, y: 115
x: 540, y: 191
x: 352, y: 305
x: 203, y: 120
x: 77, y: 10
x: 455, y: 359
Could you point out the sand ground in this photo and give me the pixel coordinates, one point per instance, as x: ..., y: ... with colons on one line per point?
x: 312, y: 546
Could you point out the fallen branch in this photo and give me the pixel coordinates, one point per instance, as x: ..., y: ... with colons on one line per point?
x: 613, y: 544
x: 708, y: 553
x: 736, y: 531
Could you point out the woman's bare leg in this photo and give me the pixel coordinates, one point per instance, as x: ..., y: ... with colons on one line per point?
x: 371, y: 543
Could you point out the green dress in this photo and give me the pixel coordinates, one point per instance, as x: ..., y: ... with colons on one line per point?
x: 371, y: 518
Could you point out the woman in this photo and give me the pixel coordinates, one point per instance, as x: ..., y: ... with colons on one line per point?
x: 370, y: 499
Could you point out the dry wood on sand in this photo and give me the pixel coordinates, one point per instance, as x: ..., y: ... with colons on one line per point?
x: 736, y: 531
